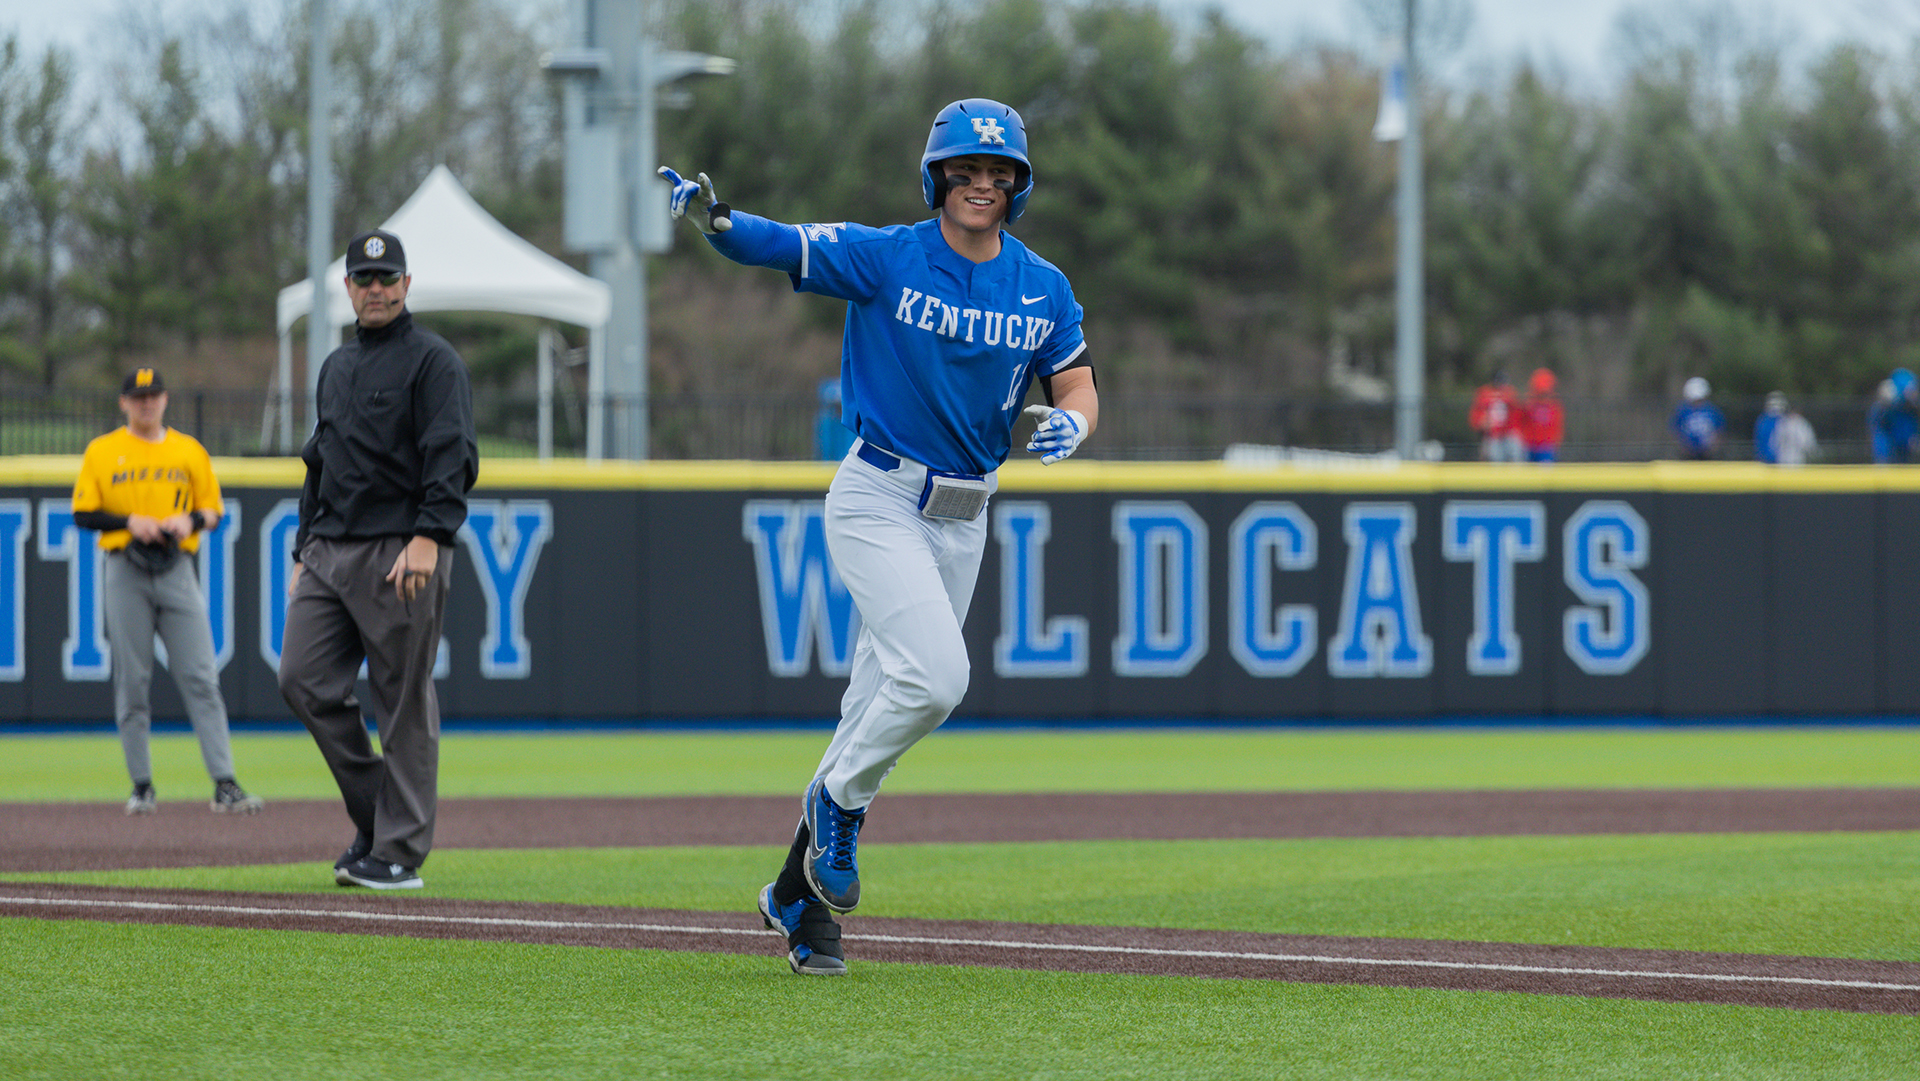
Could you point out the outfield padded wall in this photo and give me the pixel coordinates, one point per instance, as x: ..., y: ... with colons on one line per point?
x: 685, y: 592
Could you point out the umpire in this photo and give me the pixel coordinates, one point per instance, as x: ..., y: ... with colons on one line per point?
x: 389, y: 466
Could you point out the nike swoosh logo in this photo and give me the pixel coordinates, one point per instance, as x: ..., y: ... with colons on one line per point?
x: 815, y: 849
x: 1025, y: 299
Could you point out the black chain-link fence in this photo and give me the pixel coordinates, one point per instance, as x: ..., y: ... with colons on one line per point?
x: 1160, y: 427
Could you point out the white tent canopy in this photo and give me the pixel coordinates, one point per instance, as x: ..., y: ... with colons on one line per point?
x: 461, y: 259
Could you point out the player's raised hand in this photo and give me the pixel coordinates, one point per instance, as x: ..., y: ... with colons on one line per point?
x: 710, y: 214
x: 1059, y: 433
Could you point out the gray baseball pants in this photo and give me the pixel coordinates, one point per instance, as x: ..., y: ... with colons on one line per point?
x: 138, y: 606
x: 343, y: 611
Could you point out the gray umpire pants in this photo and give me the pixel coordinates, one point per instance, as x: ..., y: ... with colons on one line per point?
x: 343, y: 611
x: 139, y: 605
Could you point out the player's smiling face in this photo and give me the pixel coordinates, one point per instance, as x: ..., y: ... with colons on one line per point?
x: 978, y: 205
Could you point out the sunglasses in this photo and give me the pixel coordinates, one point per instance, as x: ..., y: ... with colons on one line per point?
x: 364, y: 278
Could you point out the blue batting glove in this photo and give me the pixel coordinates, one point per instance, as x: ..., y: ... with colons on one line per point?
x: 710, y: 214
x: 1059, y: 433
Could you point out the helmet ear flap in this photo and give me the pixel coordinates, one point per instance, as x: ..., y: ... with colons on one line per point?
x: 1022, y: 187
x: 940, y: 183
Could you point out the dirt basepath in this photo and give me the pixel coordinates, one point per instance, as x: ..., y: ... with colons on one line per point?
x: 72, y: 837
x: 76, y: 836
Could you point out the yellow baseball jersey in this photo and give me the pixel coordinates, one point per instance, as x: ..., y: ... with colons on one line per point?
x: 126, y: 475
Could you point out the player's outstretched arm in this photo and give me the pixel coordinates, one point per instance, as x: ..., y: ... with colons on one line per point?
x: 741, y: 237
x: 1066, y: 424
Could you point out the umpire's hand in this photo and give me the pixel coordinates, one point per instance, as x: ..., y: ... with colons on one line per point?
x: 413, y: 567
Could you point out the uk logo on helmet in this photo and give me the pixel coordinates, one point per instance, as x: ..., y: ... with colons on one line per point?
x: 990, y: 130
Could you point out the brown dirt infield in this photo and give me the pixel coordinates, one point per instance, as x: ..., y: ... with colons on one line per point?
x: 80, y: 836
x: 71, y: 837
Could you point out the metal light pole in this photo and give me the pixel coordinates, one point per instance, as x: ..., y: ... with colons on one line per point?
x: 322, y: 336
x: 1409, y: 281
x: 616, y: 207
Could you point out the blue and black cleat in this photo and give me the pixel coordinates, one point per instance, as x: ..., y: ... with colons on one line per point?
x: 832, y: 861
x: 813, y: 938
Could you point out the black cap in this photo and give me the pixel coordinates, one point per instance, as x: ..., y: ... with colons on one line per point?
x: 376, y: 249
x: 142, y: 382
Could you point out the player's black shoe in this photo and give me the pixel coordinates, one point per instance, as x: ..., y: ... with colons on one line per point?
x: 362, y: 844
x: 378, y: 875
x: 230, y: 798
x: 832, y: 864
x: 813, y: 937
x: 143, y: 801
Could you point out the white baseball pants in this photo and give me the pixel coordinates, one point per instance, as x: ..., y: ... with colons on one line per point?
x: 912, y: 578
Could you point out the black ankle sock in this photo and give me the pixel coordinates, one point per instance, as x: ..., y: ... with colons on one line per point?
x: 792, y: 883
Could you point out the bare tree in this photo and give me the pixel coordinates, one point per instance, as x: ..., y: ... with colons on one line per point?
x: 44, y: 143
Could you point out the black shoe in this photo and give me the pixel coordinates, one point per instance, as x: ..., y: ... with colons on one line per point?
x: 142, y: 802
x: 378, y: 875
x: 230, y: 798
x: 362, y: 844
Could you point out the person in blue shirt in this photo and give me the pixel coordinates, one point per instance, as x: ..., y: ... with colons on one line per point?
x: 831, y: 438
x: 949, y: 323
x: 1698, y: 422
x: 1894, y: 420
x: 1876, y: 426
x: 1766, y: 425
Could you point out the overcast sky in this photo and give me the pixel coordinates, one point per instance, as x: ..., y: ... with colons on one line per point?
x: 1575, y: 33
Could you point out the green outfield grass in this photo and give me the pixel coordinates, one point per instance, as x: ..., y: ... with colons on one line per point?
x: 286, y: 766
x: 168, y: 1003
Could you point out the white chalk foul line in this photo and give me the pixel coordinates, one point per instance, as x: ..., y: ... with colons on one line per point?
x: 928, y: 940
x: 1325, y: 959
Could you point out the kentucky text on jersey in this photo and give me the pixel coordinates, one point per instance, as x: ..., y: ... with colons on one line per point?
x: 938, y: 352
x: 933, y: 314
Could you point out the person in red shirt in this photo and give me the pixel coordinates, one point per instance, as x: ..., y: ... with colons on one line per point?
x: 1542, y: 420
x: 1495, y: 415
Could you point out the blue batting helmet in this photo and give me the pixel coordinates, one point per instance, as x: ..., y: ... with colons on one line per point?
x: 977, y: 126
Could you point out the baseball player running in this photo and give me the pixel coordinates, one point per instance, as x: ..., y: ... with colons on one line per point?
x: 948, y: 323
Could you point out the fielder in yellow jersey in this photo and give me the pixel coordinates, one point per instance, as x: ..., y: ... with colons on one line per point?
x: 126, y: 475
x: 150, y: 492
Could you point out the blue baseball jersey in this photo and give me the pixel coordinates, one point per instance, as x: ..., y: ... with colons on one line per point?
x: 1698, y: 424
x: 938, y: 351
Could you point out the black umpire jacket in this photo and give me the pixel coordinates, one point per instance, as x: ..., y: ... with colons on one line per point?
x: 393, y: 453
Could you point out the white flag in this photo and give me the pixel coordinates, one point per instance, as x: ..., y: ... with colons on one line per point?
x: 1391, y: 124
